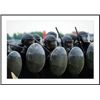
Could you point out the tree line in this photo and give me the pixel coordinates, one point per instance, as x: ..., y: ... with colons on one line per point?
x: 18, y: 35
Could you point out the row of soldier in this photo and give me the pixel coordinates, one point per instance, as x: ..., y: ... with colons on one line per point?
x: 69, y: 57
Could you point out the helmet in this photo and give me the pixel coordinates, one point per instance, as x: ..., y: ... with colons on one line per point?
x: 67, y: 42
x: 36, y: 37
x: 84, y: 36
x: 52, y: 33
x: 27, y: 39
x: 74, y: 37
x: 50, y: 42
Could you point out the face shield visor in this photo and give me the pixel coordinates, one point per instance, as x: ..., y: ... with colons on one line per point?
x: 86, y: 38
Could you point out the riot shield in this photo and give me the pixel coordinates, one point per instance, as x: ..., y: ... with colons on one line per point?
x: 58, y: 61
x: 90, y: 56
x: 75, y: 61
x: 14, y: 63
x: 35, y: 58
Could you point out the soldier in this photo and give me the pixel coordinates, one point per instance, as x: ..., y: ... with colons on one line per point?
x: 67, y: 42
x: 26, y: 41
x: 33, y: 57
x: 84, y: 39
x: 89, y: 61
x: 50, y: 44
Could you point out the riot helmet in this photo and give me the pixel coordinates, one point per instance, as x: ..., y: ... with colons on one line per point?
x: 67, y: 42
x: 74, y: 37
x: 50, y: 42
x: 84, y: 37
x: 27, y: 39
x: 36, y: 37
x: 52, y: 33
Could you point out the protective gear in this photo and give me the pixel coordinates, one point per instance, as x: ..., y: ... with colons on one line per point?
x: 58, y: 42
x: 84, y: 36
x: 91, y: 37
x: 74, y: 37
x: 75, y: 61
x: 8, y: 48
x: 50, y: 42
x: 27, y: 39
x: 14, y: 63
x: 37, y: 37
x: 83, y: 41
x: 58, y: 61
x: 52, y: 33
x: 67, y: 42
x: 35, y: 58
x: 89, y: 56
x: 55, y: 35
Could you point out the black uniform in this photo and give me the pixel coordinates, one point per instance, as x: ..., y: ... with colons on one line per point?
x: 50, y: 44
x: 26, y: 41
x: 67, y: 42
x: 83, y: 38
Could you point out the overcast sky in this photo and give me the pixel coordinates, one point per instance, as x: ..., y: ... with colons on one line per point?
x: 64, y: 26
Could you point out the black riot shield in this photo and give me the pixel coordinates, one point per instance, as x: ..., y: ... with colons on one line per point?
x: 90, y: 56
x: 35, y: 58
x: 75, y: 61
x: 58, y: 61
x: 14, y: 63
